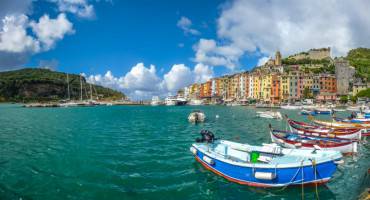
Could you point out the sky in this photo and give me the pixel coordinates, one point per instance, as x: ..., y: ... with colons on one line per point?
x: 145, y: 48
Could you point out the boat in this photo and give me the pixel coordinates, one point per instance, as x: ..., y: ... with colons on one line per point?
x: 307, y: 112
x: 339, y: 124
x: 195, y: 102
x: 268, y: 165
x: 155, y: 101
x: 308, y: 129
x: 270, y: 114
x: 171, y: 101
x: 358, y: 108
x: 290, y: 107
x: 181, y: 101
x: 294, y: 140
x: 323, y: 111
x: 196, y: 116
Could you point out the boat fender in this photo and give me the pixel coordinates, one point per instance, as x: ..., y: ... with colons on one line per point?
x: 264, y: 175
x: 193, y: 150
x: 208, y: 160
x: 354, y: 144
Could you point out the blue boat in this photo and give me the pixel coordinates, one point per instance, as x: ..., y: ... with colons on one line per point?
x: 266, y: 166
x: 308, y: 112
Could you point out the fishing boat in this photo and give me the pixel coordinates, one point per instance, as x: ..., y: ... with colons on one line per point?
x: 290, y: 107
x: 309, y: 129
x: 339, y: 124
x: 296, y: 140
x: 270, y: 114
x: 196, y: 116
x: 268, y: 165
x: 307, y: 112
x: 323, y: 111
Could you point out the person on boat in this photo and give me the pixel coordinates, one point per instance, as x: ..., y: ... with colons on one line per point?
x: 207, y: 136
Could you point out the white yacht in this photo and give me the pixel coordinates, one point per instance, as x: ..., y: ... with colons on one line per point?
x: 155, y: 101
x: 171, y: 101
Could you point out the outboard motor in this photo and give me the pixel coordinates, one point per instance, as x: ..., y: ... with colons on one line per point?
x: 207, y: 136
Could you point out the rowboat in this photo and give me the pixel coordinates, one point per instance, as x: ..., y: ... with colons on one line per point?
x: 309, y: 129
x: 269, y: 114
x: 268, y: 165
x: 295, y: 140
x: 339, y: 124
x: 323, y: 111
x: 196, y: 116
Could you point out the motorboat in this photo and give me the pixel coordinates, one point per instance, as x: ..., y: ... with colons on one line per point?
x: 299, y: 141
x: 196, y: 116
x: 290, y: 107
x: 323, y: 111
x: 270, y: 114
x: 171, y: 101
x: 307, y: 112
x: 268, y: 165
x: 195, y: 102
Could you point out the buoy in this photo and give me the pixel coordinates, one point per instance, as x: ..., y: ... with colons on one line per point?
x: 264, y: 175
x: 208, y: 160
x: 217, y: 116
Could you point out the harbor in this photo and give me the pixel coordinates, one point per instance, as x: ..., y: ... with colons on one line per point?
x: 142, y: 152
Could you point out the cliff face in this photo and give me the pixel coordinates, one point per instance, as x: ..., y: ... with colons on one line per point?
x: 360, y: 59
x: 44, y: 85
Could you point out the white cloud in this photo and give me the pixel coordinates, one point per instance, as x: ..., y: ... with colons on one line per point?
x: 185, y: 24
x: 143, y: 82
x: 289, y: 26
x: 209, y: 53
x: 13, y: 35
x: 202, y: 73
x: 80, y: 8
x: 178, y: 77
x: 262, y: 61
x: 48, y: 31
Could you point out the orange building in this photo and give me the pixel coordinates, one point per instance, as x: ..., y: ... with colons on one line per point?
x: 275, y: 89
x: 328, y: 83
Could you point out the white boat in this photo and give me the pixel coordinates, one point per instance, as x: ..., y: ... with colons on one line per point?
x: 290, y: 107
x: 270, y: 114
x: 357, y: 108
x: 196, y: 116
x: 155, y: 101
x: 171, y: 101
x: 195, y: 102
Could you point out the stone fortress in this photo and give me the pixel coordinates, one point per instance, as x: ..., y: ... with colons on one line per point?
x: 314, y: 54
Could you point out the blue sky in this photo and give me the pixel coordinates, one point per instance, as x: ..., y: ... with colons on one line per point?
x: 147, y: 48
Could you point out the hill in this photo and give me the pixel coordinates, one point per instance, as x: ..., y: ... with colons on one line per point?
x: 360, y: 59
x: 33, y: 84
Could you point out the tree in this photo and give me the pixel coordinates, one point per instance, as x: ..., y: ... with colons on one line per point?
x: 307, y: 93
x: 343, y: 99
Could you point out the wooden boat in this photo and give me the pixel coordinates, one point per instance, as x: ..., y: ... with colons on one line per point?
x: 295, y: 140
x: 308, y: 129
x: 270, y: 114
x: 266, y: 166
x: 339, y: 124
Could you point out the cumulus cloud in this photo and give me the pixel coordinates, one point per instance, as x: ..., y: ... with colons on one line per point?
x: 186, y: 25
x: 262, y: 61
x: 80, y: 8
x: 48, y: 31
x: 178, y: 77
x: 289, y: 26
x: 202, y: 73
x: 143, y: 82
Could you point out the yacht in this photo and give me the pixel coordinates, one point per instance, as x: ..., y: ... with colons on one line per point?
x: 155, y: 101
x: 171, y: 101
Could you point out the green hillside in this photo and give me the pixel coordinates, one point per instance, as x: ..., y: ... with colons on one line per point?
x: 32, y: 84
x: 360, y: 59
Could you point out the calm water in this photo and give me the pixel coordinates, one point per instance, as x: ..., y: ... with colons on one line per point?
x: 137, y: 152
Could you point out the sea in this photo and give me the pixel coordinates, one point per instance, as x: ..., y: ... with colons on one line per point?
x: 141, y: 152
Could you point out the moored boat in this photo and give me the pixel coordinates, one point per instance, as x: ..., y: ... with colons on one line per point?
x: 307, y: 112
x: 270, y: 114
x: 323, y: 111
x: 265, y: 166
x: 196, y: 116
x: 339, y: 124
x: 290, y: 107
x: 295, y: 140
x: 308, y: 129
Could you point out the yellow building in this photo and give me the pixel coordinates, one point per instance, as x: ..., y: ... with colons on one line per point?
x: 284, y: 87
x: 194, y: 91
x: 266, y: 87
x: 257, y: 80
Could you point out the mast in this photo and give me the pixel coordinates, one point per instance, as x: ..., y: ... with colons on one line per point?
x: 80, y: 87
x: 91, y: 93
x: 69, y: 95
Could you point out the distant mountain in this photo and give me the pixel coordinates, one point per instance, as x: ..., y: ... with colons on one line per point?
x: 32, y: 84
x: 360, y: 59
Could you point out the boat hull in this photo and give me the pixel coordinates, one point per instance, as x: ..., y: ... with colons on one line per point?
x: 283, y: 176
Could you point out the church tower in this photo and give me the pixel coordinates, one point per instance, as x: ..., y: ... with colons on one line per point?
x: 277, y: 58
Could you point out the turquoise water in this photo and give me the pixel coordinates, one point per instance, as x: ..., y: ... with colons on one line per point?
x: 137, y: 152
